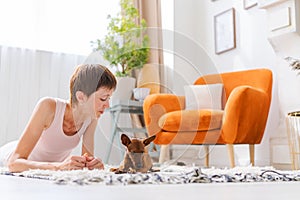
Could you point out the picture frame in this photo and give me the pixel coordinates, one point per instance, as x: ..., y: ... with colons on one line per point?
x: 225, y: 31
x: 249, y: 4
x: 267, y: 3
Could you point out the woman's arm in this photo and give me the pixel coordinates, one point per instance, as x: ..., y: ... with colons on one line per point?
x: 40, y: 120
x: 88, y: 147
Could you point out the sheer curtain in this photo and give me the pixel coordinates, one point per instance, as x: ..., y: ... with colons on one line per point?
x: 160, y: 20
x: 26, y: 76
x: 150, y: 74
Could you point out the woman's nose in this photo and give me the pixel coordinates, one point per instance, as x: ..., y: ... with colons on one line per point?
x: 106, y: 104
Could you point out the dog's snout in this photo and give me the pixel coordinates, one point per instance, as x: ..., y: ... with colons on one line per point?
x: 139, y: 165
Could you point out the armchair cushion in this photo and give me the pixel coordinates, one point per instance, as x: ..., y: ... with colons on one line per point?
x: 191, y: 120
x: 203, y: 96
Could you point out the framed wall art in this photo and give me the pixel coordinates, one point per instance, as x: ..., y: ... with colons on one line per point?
x: 267, y: 3
x: 225, y: 31
x: 249, y: 4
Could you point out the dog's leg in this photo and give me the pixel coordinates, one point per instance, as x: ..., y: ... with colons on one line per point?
x: 125, y: 166
x: 147, y: 162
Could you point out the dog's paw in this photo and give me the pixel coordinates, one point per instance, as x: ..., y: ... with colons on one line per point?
x: 154, y: 170
x: 117, y: 171
x: 120, y: 172
x: 113, y: 169
x: 132, y: 171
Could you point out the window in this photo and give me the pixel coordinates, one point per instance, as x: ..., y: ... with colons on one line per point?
x: 54, y: 25
x: 167, y: 15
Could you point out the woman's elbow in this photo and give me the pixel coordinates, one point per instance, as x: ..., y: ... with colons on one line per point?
x: 14, y: 166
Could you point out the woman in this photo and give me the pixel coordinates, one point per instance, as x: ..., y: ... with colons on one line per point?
x: 57, y: 126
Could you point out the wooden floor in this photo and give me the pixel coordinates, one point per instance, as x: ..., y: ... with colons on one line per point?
x: 31, y: 189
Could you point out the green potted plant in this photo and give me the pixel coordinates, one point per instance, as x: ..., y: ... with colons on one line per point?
x: 126, y: 46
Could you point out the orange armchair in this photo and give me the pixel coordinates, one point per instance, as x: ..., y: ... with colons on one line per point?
x: 242, y: 120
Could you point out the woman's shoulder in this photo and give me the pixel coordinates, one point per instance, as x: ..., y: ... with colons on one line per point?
x: 51, y: 100
x: 47, y: 104
x: 46, y: 108
x: 47, y: 101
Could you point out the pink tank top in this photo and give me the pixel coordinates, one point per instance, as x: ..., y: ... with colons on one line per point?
x: 54, y: 145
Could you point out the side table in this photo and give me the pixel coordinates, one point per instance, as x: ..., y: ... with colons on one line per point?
x: 118, y: 107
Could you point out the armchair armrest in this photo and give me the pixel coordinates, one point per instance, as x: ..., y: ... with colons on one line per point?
x: 245, y: 115
x: 156, y: 105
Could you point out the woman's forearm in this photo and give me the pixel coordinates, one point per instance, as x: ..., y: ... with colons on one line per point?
x: 20, y: 165
x: 73, y: 162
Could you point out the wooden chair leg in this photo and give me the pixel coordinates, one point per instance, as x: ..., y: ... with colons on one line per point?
x: 231, y: 154
x: 206, y: 149
x: 251, y: 153
x: 164, y: 153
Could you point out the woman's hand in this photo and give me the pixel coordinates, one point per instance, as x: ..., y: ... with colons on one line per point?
x: 73, y: 163
x: 80, y: 162
x: 93, y: 162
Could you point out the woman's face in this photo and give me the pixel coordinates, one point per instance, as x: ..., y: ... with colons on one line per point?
x: 99, y: 101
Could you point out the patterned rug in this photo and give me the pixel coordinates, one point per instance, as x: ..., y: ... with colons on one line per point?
x: 166, y: 175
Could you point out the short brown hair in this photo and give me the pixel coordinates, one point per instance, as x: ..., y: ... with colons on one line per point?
x: 88, y: 78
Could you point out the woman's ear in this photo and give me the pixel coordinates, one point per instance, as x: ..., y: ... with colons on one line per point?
x: 81, y: 97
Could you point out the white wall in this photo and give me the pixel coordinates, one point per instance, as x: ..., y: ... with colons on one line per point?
x: 194, y: 26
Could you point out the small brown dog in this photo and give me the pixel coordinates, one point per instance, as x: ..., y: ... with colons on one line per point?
x: 136, y: 157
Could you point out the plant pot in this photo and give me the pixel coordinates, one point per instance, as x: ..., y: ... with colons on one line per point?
x: 123, y: 90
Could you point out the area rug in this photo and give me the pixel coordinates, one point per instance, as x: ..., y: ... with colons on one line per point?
x: 166, y: 175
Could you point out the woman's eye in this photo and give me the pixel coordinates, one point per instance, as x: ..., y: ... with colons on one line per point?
x: 104, y: 99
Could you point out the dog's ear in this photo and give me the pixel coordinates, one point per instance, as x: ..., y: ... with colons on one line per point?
x: 125, y: 140
x: 148, y: 140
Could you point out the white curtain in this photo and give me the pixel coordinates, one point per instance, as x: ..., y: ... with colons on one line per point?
x: 26, y: 76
